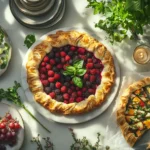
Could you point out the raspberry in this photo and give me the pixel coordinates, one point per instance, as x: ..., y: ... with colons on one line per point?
x: 43, y: 70
x: 56, y: 76
x: 58, y: 85
x: 65, y: 65
x: 46, y: 59
x: 72, y: 48
x: 84, y: 89
x: 52, y: 61
x: 50, y: 73
x: 83, y: 57
x: 63, y: 89
x: 52, y: 94
x: 77, y: 88
x: 95, y: 60
x: 93, y: 71
x: 90, y: 60
x: 66, y: 101
x: 89, y: 65
x: 72, y: 87
x: 98, y: 66
x: 63, y: 60
x: 45, y: 82
x: 92, y: 78
x: 79, y: 99
x: 57, y: 54
x: 91, y: 91
x: 71, y: 100
x: 62, y: 54
x: 74, y: 94
x: 59, y: 66
x: 43, y: 64
x: 69, y: 91
x: 81, y: 50
x: 66, y: 96
x: 79, y: 93
x: 86, y: 76
x: 67, y: 58
x: 51, y: 79
x: 48, y: 67
x: 43, y: 76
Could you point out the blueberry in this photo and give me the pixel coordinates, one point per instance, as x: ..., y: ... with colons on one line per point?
x: 52, y: 85
x: 67, y: 84
x: 47, y: 90
x: 86, y: 94
x: 98, y: 81
x: 66, y: 48
x: 67, y: 78
x: 57, y: 91
x: 2, y: 147
x: 70, y: 53
x: 70, y: 61
x: 51, y: 54
x: 59, y: 98
x: 88, y: 83
x: 55, y: 69
x: 89, y: 54
x: 55, y: 49
x: 58, y: 60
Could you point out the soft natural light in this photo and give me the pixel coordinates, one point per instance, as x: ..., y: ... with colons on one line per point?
x: 8, y: 16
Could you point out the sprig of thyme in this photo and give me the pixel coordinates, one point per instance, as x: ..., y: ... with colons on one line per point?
x: 48, y: 144
x: 12, y: 96
x: 84, y: 144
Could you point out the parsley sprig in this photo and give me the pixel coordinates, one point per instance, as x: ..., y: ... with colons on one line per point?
x: 76, y: 71
x: 122, y: 18
x: 29, y: 40
x: 12, y: 96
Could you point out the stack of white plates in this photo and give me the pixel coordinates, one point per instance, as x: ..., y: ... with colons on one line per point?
x: 37, y: 14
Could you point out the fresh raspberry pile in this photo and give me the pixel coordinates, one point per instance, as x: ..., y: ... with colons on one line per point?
x: 9, y: 128
x: 61, y: 87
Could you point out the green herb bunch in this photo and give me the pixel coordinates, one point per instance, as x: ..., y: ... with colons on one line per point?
x: 48, y: 144
x: 76, y: 71
x: 122, y: 18
x: 84, y: 144
x: 12, y: 96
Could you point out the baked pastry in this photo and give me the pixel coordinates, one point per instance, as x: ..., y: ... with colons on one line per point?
x: 133, y: 114
x: 55, y: 91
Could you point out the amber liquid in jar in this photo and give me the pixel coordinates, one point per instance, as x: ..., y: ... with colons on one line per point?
x: 141, y: 55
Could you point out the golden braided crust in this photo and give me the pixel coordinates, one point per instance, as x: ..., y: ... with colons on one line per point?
x: 62, y: 38
x: 129, y: 136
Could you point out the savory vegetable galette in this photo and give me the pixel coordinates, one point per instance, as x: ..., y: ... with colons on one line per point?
x: 70, y: 72
x: 133, y: 115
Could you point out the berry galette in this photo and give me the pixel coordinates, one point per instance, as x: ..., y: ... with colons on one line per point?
x: 133, y: 115
x: 70, y: 72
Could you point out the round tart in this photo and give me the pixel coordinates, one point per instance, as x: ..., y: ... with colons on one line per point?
x: 133, y: 115
x: 70, y: 72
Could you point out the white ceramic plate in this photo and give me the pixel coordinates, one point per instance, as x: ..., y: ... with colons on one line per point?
x: 73, y: 119
x: 7, y: 40
x: 4, y: 108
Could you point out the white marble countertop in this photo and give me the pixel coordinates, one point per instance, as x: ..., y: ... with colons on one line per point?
x: 76, y: 15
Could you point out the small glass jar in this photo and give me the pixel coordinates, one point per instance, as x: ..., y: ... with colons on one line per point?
x: 141, y: 54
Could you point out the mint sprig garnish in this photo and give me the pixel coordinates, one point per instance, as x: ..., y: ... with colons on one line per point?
x: 76, y: 71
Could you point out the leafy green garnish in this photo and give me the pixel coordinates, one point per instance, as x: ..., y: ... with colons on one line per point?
x: 123, y: 18
x: 76, y: 71
x: 12, y: 96
x: 77, y: 81
x: 29, y: 40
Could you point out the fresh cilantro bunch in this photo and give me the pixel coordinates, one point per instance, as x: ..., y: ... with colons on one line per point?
x: 122, y: 18
x: 76, y: 71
